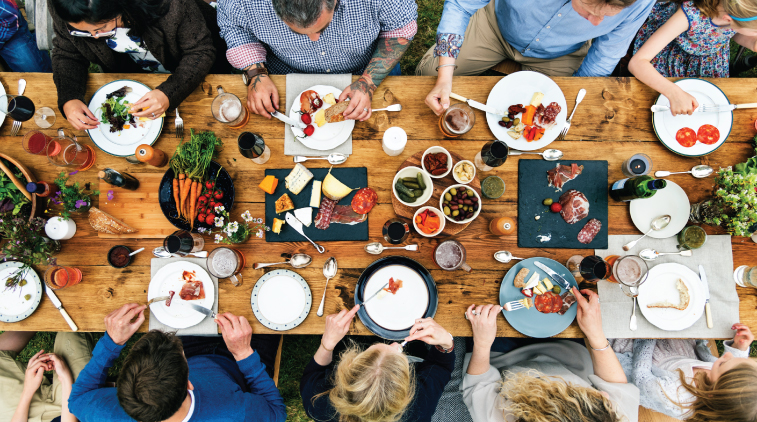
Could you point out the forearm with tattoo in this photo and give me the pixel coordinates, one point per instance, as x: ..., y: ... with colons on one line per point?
x: 258, y: 77
x: 385, y: 58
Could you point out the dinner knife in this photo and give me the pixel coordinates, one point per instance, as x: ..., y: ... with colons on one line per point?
x: 480, y: 106
x: 56, y: 302
x: 706, y: 286
x: 712, y: 109
x: 297, y: 225
x: 552, y: 274
x: 200, y: 309
x: 375, y: 294
x: 284, y: 118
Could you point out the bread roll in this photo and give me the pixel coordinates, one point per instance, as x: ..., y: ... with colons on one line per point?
x: 335, y: 113
x: 106, y: 223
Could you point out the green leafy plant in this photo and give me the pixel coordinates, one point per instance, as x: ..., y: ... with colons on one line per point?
x: 234, y: 232
x: 73, y: 198
x: 734, y: 204
x: 26, y: 243
x: 9, y: 193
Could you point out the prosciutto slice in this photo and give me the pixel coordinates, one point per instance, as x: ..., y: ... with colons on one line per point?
x: 545, y: 116
x: 192, y: 290
x: 575, y: 206
x: 344, y: 214
x: 323, y: 218
x: 561, y: 174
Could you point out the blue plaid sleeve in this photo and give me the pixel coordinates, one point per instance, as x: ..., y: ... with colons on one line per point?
x: 398, y: 17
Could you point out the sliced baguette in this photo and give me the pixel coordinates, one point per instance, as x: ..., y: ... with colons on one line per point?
x: 105, y: 223
x: 684, y: 295
x: 520, y: 278
x: 334, y: 113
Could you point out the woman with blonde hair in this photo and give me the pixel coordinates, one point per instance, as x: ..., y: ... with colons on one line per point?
x: 377, y: 384
x: 682, y: 379
x: 548, y: 380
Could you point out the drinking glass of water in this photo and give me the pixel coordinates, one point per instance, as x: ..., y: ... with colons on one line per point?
x: 227, y: 108
x: 17, y: 107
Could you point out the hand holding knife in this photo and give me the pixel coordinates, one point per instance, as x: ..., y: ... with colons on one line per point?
x: 480, y: 106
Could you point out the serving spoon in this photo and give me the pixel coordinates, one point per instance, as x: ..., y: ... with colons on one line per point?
x: 329, y: 271
x: 504, y: 257
x: 658, y: 223
x: 335, y: 158
x: 651, y: 254
x: 393, y: 107
x: 298, y: 260
x: 548, y: 154
x: 701, y: 171
x: 376, y: 248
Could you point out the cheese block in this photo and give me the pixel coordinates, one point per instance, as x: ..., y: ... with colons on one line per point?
x: 277, y: 225
x: 298, y: 178
x: 329, y: 99
x: 315, y: 196
x: 305, y: 215
x: 283, y: 204
x: 533, y: 281
x: 548, y: 284
x: 541, y: 287
x: 320, y: 117
x: 536, y: 99
x: 538, y: 290
x: 333, y: 188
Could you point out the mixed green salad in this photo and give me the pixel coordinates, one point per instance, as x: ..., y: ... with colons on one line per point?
x: 115, y: 110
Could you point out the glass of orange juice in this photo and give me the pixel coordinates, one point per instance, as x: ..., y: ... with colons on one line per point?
x: 59, y: 277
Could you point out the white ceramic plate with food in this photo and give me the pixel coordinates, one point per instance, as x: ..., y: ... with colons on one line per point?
x: 397, y: 311
x: 661, y: 286
x: 672, y: 201
x: 170, y: 278
x: 281, y: 300
x: 519, y: 88
x: 666, y: 125
x: 328, y: 136
x: 125, y: 142
x: 18, y: 303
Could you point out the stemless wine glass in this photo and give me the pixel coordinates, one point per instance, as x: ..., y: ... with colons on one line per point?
x: 35, y: 142
x: 65, y: 151
x: 594, y: 268
x: 228, y: 108
x: 17, y: 107
x: 493, y: 154
x: 252, y: 146
x: 44, y: 117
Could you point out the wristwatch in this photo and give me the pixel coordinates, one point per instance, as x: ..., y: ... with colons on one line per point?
x: 248, y: 74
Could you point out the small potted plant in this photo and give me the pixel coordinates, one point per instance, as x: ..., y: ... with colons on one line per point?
x: 72, y: 198
x: 234, y: 232
x: 26, y: 243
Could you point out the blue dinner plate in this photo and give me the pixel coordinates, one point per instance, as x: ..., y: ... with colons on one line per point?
x: 530, y: 321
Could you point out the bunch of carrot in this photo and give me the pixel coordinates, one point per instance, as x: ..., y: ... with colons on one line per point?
x: 189, y: 164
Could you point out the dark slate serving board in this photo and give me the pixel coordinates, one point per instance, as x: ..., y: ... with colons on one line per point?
x: 354, y: 177
x: 533, y: 188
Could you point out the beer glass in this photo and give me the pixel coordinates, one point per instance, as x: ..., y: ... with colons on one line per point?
x: 226, y: 263
x: 227, y: 108
x: 450, y: 255
x: 630, y: 271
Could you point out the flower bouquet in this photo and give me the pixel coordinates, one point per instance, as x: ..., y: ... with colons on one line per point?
x: 72, y: 198
x: 25, y: 243
x: 232, y: 231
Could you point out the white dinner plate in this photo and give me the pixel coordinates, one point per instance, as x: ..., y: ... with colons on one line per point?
x: 169, y: 278
x: 661, y: 286
x: 124, y: 143
x: 281, y: 300
x: 4, y: 104
x: 666, y: 125
x: 13, y: 306
x: 330, y: 135
x: 518, y: 88
x: 672, y: 201
x: 397, y: 311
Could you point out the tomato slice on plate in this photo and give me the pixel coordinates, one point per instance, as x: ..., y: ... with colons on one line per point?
x: 708, y: 134
x: 686, y: 137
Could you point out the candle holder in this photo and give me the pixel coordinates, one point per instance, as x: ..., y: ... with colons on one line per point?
x: 57, y: 228
x: 394, y: 141
x: 637, y: 165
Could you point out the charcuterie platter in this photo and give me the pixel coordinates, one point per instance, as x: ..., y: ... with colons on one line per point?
x: 440, y: 185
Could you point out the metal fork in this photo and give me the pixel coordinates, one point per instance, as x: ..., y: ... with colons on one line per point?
x: 17, y: 124
x: 579, y: 98
x: 179, y: 123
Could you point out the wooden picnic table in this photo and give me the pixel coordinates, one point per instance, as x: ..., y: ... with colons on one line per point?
x: 612, y: 123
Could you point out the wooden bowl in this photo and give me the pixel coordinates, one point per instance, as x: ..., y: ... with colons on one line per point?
x: 37, y: 203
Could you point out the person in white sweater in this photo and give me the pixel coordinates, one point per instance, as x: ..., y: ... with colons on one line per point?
x: 547, y: 381
x: 682, y: 379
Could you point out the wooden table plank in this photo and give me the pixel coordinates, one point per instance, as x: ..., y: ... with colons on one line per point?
x: 612, y: 123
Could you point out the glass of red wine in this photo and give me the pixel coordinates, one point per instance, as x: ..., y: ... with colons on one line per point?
x: 594, y: 268
x: 17, y: 107
x: 493, y: 154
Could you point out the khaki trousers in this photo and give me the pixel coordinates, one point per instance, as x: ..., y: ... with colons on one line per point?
x: 484, y: 47
x: 74, y: 348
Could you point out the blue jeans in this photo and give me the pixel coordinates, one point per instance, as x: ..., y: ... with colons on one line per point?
x: 21, y: 54
x: 396, y: 71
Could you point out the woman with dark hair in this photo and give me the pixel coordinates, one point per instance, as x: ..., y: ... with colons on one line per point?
x: 180, y: 37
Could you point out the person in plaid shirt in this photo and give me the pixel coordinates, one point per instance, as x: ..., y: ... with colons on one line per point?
x: 362, y: 37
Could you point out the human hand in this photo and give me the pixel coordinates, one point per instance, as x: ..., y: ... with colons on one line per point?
x: 337, y: 326
x: 61, y: 368
x: 589, y: 317
x: 360, y: 94
x: 483, y: 320
x: 35, y: 372
x: 237, y: 334
x: 152, y: 105
x: 430, y: 332
x: 438, y: 99
x: 79, y: 115
x: 119, y: 324
x: 262, y: 96
x: 681, y: 102
x: 743, y: 337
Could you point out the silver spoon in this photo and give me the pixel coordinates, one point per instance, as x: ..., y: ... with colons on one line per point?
x: 376, y: 248
x: 334, y: 158
x: 504, y: 256
x: 21, y: 86
x: 393, y: 107
x: 635, y: 292
x: 658, y: 223
x: 161, y: 252
x: 651, y: 254
x: 298, y: 260
x: 701, y: 171
x: 329, y: 271
x: 137, y: 251
x: 548, y: 154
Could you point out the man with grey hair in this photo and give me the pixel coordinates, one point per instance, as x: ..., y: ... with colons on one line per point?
x: 362, y: 37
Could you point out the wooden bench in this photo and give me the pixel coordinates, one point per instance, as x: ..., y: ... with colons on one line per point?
x: 40, y: 22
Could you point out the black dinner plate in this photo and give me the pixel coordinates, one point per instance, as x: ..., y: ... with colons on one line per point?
x: 168, y: 205
x: 433, y: 296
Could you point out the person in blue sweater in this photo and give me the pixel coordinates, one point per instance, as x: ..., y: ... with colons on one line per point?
x: 377, y: 384
x: 157, y: 382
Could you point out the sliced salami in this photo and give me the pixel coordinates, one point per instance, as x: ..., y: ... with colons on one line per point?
x: 364, y: 200
x: 592, y: 227
x: 556, y: 303
x: 542, y: 304
x: 323, y: 218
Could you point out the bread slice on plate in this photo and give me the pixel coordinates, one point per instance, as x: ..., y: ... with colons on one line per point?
x: 684, y: 295
x: 335, y: 113
x: 103, y: 222
x: 520, y: 278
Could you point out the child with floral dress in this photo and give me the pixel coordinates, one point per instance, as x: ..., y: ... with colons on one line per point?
x: 691, y: 38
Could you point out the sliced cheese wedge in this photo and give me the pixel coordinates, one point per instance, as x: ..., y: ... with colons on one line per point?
x: 305, y: 215
x: 533, y: 281
x: 548, y: 284
x: 315, y: 196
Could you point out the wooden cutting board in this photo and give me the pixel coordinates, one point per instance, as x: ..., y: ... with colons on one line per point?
x: 138, y: 208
